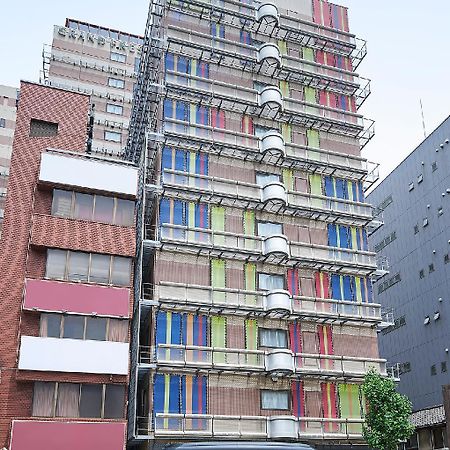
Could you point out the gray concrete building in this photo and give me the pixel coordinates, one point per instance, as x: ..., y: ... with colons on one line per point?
x: 414, y: 201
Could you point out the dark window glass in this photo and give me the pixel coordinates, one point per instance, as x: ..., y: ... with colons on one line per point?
x: 96, y: 329
x: 40, y: 128
x: 100, y: 268
x: 114, y: 401
x: 91, y: 400
x: 62, y: 203
x: 124, y: 212
x: 50, y: 325
x: 438, y: 438
x: 121, y: 271
x: 84, y: 205
x: 78, y: 266
x: 56, y: 264
x: 73, y: 327
x: 104, y: 209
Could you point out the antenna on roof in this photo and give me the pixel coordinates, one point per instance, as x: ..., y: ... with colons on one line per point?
x: 423, y: 119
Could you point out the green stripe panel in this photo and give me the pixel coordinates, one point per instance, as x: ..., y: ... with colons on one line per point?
x: 308, y: 54
x: 288, y: 179
x: 218, y: 223
x: 218, y: 271
x: 349, y: 403
x: 219, y: 337
x: 310, y: 95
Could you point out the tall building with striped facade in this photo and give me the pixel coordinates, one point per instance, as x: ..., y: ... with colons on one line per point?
x: 254, y: 315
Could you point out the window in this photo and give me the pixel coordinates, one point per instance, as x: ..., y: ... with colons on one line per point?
x: 262, y: 179
x: 261, y: 131
x: 433, y: 370
x: 83, y: 327
x: 438, y: 437
x: 405, y: 367
x: 137, y: 63
x: 444, y: 366
x: 410, y: 187
x: 114, y: 109
x: 275, y: 400
x: 431, y: 268
x: 75, y: 400
x: 269, y: 228
x: 273, y: 338
x: 422, y: 274
x: 76, y: 205
x: 420, y: 178
x: 116, y: 83
x: 118, y: 57
x: 41, y: 128
x: 412, y: 443
x: 88, y: 267
x: 270, y: 282
x: 2, y: 122
x: 434, y: 166
x: 113, y: 136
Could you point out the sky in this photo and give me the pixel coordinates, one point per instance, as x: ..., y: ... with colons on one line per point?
x: 408, y: 58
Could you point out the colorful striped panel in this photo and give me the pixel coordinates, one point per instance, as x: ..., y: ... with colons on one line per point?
x: 285, y: 89
x: 250, y: 283
x: 295, y: 337
x: 166, y: 397
x: 194, y: 399
x: 218, y: 223
x: 315, y: 184
x: 286, y: 132
x: 282, y: 46
x: 332, y: 235
x: 322, y: 283
x: 312, y: 138
x: 329, y: 405
x: 350, y: 405
x: 293, y: 282
x: 194, y: 330
x: 200, y: 69
x: 202, y: 115
x: 298, y: 399
x: 321, y: 13
x: 172, y: 212
x: 325, y: 345
x: 218, y: 118
x: 308, y: 54
x: 310, y: 95
x: 339, y: 17
x: 329, y: 187
x: 217, y: 30
x: 247, y: 125
x: 218, y: 337
x: 347, y: 285
x: 344, y: 236
x: 245, y: 37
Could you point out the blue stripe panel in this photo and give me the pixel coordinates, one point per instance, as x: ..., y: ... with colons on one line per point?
x: 176, y: 329
x: 164, y: 211
x: 347, y: 288
x: 168, y: 109
x: 174, y: 394
x: 179, y: 212
x: 340, y: 62
x: 355, y: 192
x: 201, y: 215
x: 182, y: 111
x: 365, y: 241
x: 161, y: 326
x: 202, y: 115
x: 195, y: 402
x: 336, y: 287
x: 340, y: 188
x: 344, y: 235
x: 158, y: 393
x: 170, y: 61
x: 332, y: 235
x: 180, y: 160
x: 166, y: 158
x: 358, y: 239
x: 364, y: 290
x: 201, y: 164
x: 369, y: 290
x: 329, y: 189
x: 360, y: 191
x: 183, y: 64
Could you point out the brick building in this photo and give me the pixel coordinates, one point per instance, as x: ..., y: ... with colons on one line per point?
x: 255, y: 317
x: 68, y: 245
x: 8, y: 100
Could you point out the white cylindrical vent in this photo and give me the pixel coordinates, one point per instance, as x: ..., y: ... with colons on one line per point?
x: 268, y: 13
x: 269, y: 53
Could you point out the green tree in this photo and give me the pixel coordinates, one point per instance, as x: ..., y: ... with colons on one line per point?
x: 388, y: 415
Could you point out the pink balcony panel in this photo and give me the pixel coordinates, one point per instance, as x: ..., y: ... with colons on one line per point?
x: 52, y: 435
x: 45, y: 295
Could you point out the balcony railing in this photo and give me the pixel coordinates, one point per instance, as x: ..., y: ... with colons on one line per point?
x: 242, y: 246
x: 189, y: 295
x: 268, y: 361
x: 201, y: 186
x: 295, y: 154
x: 256, y: 427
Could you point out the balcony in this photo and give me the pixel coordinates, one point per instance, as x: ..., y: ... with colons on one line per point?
x: 268, y: 13
x: 270, y: 54
x: 382, y: 269
x: 278, y: 362
x: 205, y: 299
x: 236, y: 144
x: 57, y: 296
x: 235, y: 193
x: 60, y: 434
x: 73, y: 355
x: 250, y: 427
x: 81, y: 171
x: 276, y: 245
x: 272, y: 143
x: 270, y: 97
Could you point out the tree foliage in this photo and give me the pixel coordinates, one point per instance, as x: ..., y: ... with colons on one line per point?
x: 388, y: 415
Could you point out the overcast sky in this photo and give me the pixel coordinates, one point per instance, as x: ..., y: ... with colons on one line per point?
x: 408, y: 60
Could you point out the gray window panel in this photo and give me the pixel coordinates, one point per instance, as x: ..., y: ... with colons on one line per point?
x: 41, y: 128
x: 73, y: 327
x: 114, y: 401
x: 273, y: 338
x: 96, y: 328
x: 91, y: 400
x: 84, y: 206
x: 62, y: 203
x: 104, y: 209
x: 124, y: 213
x: 118, y: 57
x: 114, y: 109
x: 265, y: 178
x: 270, y: 282
x: 269, y: 228
x: 100, y: 265
x: 121, y: 271
x: 53, y: 325
x: 78, y: 266
x: 275, y: 400
x: 56, y: 264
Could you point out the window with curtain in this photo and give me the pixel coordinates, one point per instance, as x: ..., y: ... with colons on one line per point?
x: 88, y: 267
x: 43, y: 399
x: 265, y: 178
x: 275, y: 400
x: 269, y: 228
x: 273, y: 338
x: 67, y: 400
x: 83, y: 327
x: 84, y: 206
x: 270, y: 281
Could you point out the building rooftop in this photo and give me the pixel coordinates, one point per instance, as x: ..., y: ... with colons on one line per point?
x: 428, y: 417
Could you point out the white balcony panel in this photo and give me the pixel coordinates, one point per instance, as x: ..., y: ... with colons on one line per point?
x: 271, y: 96
x: 270, y: 53
x: 283, y: 427
x: 86, y: 173
x: 279, y: 300
x: 73, y: 355
x: 280, y: 361
x: 273, y: 142
x: 268, y: 12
